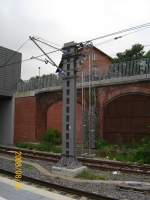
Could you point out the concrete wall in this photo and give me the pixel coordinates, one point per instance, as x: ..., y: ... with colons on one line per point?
x: 10, y: 71
x: 6, y: 120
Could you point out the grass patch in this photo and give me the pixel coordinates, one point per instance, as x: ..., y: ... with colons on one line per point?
x: 43, y: 146
x: 52, y: 136
x: 50, y: 142
x: 29, y: 167
x: 137, y: 153
x: 90, y: 175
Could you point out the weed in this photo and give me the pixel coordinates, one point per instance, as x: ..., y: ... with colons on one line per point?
x: 139, y: 152
x: 43, y: 146
x: 90, y: 175
x: 52, y: 136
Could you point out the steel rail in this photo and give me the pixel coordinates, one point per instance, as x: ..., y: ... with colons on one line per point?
x: 92, y: 163
x: 60, y: 187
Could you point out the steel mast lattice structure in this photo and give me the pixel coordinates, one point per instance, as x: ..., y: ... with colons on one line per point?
x: 68, y: 69
x: 71, y: 55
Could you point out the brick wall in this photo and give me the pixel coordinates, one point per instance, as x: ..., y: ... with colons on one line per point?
x: 25, y: 119
x: 126, y: 119
x: 54, y: 116
x: 99, y: 61
x: 33, y: 115
x: 123, y: 111
x: 44, y: 101
x: 54, y: 119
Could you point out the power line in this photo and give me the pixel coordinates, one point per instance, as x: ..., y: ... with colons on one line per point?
x: 14, y: 53
x: 41, y: 55
x: 144, y: 26
x: 34, y: 40
x: 147, y: 25
x: 119, y: 37
x: 114, y: 55
x: 118, y: 32
x: 48, y: 41
x: 48, y: 44
x: 28, y: 59
x: 31, y: 58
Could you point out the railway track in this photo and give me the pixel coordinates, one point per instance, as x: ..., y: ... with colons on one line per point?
x: 67, y: 190
x: 92, y: 163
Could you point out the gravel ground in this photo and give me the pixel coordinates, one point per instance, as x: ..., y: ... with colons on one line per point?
x: 107, y: 174
x: 110, y: 190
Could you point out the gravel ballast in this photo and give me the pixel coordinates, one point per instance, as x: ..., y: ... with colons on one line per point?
x: 108, y: 188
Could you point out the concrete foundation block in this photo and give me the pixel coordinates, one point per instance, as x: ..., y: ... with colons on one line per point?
x: 62, y: 171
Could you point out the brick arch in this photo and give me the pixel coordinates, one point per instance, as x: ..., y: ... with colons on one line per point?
x: 43, y: 101
x: 112, y: 92
x: 119, y: 95
x: 126, y: 117
x: 107, y: 94
x: 54, y: 118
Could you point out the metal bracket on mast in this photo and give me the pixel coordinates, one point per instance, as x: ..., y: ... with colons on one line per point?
x: 33, y: 39
x: 45, y: 61
x: 58, y: 70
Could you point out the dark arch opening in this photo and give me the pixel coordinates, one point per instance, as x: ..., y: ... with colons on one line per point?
x: 127, y: 118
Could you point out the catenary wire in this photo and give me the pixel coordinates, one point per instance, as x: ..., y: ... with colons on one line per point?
x: 118, y: 32
x: 28, y: 59
x: 101, y: 37
x: 14, y: 53
x: 120, y: 37
x: 48, y: 41
x: 48, y: 45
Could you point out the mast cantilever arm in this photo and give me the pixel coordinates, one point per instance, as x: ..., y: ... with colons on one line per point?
x: 46, y: 61
x: 48, y: 44
x: 50, y: 60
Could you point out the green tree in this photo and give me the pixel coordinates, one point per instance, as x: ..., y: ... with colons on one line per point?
x: 135, y: 52
x: 147, y: 55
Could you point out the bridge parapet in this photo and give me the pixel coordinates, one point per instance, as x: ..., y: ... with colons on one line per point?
x: 119, y: 73
x: 39, y: 83
x: 129, y: 68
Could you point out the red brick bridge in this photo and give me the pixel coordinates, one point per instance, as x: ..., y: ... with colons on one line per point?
x: 122, y: 107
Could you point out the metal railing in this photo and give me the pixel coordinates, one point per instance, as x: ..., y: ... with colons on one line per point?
x: 39, y: 83
x: 124, y: 71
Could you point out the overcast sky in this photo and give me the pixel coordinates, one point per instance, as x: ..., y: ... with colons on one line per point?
x: 62, y: 21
